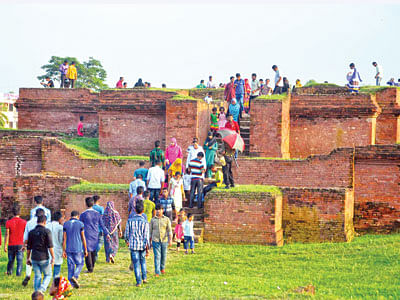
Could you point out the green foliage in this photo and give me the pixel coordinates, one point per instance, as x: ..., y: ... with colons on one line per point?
x: 366, y: 268
x: 97, y: 187
x: 314, y: 83
x: 3, y: 117
x: 273, y: 97
x: 183, y: 97
x: 88, y: 148
x: 90, y: 73
x: 250, y: 188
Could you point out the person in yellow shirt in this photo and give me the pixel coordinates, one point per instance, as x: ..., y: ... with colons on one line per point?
x: 298, y: 83
x: 72, y: 74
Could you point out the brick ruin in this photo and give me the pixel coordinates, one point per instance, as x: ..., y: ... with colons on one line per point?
x: 333, y: 156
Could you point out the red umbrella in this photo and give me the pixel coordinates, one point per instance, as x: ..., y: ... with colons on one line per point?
x: 232, y: 139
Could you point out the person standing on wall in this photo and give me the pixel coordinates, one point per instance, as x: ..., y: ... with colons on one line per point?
x: 229, y: 92
x: 210, y: 83
x: 119, y: 84
x: 157, y: 154
x: 63, y: 70
x: 155, y: 181
x: 379, y: 73
x: 72, y: 74
x: 239, y: 92
x: 255, y: 88
x: 278, y: 80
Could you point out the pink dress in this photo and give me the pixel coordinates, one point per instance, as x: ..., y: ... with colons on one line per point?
x: 222, y: 120
x: 178, y: 232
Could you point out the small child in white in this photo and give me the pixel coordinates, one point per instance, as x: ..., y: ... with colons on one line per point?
x: 188, y: 233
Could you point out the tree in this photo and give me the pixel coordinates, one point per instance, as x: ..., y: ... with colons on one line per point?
x: 90, y: 73
x: 3, y: 117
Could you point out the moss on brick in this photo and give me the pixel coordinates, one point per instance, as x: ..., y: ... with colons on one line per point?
x: 279, y: 97
x: 372, y: 89
x: 183, y: 97
x: 85, y: 187
x: 251, y: 188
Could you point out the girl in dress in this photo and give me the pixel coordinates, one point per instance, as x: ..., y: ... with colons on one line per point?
x: 175, y: 190
x: 221, y: 117
x: 247, y: 90
x: 214, y: 120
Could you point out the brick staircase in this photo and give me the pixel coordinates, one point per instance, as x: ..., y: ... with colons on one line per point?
x: 198, y: 222
x: 245, y: 133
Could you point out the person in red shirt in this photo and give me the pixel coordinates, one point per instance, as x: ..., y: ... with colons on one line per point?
x: 232, y: 125
x: 119, y: 83
x: 229, y: 92
x: 14, y: 238
x: 80, y: 126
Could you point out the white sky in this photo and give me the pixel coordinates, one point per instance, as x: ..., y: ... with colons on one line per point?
x: 179, y: 44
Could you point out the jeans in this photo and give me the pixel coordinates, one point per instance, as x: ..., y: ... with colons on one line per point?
x: 138, y: 258
x: 154, y: 194
x: 208, y: 188
x: 277, y: 90
x: 39, y: 267
x: 188, y: 240
x: 196, y: 184
x: 100, y: 244
x: 378, y: 80
x: 90, y: 260
x: 239, y: 99
x: 62, y: 83
x: 228, y: 175
x: 15, y: 252
x: 56, y: 271
x: 160, y: 256
x: 75, y: 264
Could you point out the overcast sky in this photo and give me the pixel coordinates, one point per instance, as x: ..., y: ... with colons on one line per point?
x: 179, y: 44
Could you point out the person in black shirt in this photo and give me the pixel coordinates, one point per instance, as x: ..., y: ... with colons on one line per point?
x: 40, y: 243
x: 48, y: 84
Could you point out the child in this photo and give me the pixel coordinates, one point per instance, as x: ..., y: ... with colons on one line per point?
x: 187, y: 179
x: 188, y: 233
x: 221, y: 117
x: 214, y: 120
x: 178, y: 233
x: 208, y: 98
x: 61, y: 288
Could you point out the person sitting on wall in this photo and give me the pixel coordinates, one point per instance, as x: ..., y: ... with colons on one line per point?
x: 139, y: 83
x: 49, y: 83
x: 354, y: 79
x: 80, y: 126
x: 125, y: 85
x: 119, y: 83
x: 201, y: 85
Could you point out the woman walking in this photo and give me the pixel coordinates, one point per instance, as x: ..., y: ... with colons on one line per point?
x: 112, y: 221
x: 211, y: 147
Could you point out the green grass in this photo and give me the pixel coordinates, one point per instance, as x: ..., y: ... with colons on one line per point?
x: 183, y: 97
x: 88, y: 148
x: 273, y: 97
x: 367, y: 268
x: 309, y: 84
x: 372, y: 89
x: 85, y: 187
x: 251, y: 188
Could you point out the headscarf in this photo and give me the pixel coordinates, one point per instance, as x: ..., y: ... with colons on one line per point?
x: 211, y: 141
x: 111, y: 217
x: 247, y: 87
x: 175, y: 167
x: 64, y: 289
x: 173, y: 151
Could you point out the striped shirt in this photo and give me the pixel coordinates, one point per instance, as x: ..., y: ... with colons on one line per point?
x: 196, y: 168
x: 137, y: 233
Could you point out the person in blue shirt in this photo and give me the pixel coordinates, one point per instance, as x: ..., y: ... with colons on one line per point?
x: 167, y: 204
x: 239, y: 91
x: 39, y: 204
x: 135, y: 184
x: 142, y: 171
x: 100, y: 209
x: 92, y: 220
x: 74, y: 247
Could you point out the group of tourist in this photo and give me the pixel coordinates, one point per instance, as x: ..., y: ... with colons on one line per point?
x: 121, y: 84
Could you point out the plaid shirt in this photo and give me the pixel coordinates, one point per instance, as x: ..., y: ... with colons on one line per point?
x: 137, y: 232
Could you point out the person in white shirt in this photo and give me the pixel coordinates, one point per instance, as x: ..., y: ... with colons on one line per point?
x: 208, y: 98
x: 210, y: 83
x: 278, y: 80
x: 155, y: 181
x: 57, y: 234
x: 39, y: 204
x: 188, y: 233
x: 379, y: 73
x: 193, y: 150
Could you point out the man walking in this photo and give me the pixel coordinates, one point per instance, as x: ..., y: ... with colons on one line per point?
x: 74, y: 247
x: 63, y: 70
x: 196, y: 170
x: 157, y: 154
x: 39, y: 204
x: 39, y: 245
x: 56, y: 229
x: 100, y: 209
x: 229, y: 91
x: 137, y: 239
x: 92, y: 220
x: 255, y: 88
x: 155, y: 180
x: 379, y: 73
x: 161, y: 238
x: 142, y: 170
x: 239, y: 92
x: 278, y: 80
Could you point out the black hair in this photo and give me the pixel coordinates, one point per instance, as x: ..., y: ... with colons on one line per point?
x: 142, y: 163
x: 254, y: 74
x: 232, y: 77
x: 81, y: 118
x: 202, y: 81
x: 121, y: 78
x: 352, y: 65
x: 41, y: 219
x: 73, y: 63
x: 38, y: 199
x: 39, y: 212
x: 200, y: 154
x: 139, y: 190
x: 274, y: 67
x: 56, y: 281
x: 139, y: 207
x: 74, y: 213
x: 222, y: 108
x: 158, y: 162
x: 140, y: 176
x: 212, y: 166
x: 146, y: 194
x: 267, y: 79
x: 237, y: 74
x: 189, y: 215
x: 158, y: 206
x: 214, y: 109
x: 163, y: 85
x: 125, y: 83
x: 89, y: 201
x: 47, y: 77
x: 209, y: 77
x: 195, y: 139
x: 16, y: 210
x: 57, y: 216
x: 37, y: 295
x: 374, y: 63
x: 157, y: 144
x: 177, y: 173
x: 96, y: 198
x: 65, y: 61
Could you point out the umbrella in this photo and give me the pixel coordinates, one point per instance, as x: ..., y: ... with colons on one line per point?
x: 232, y: 139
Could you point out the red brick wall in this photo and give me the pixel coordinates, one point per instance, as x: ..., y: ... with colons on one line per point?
x: 250, y: 218
x: 217, y: 94
x: 317, y: 215
x: 57, y: 110
x: 57, y: 158
x: 76, y: 201
x: 376, y: 189
x: 387, y: 123
x: 49, y: 186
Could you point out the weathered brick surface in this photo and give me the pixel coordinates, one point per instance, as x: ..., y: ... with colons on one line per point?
x: 317, y: 215
x: 388, y: 122
x: 217, y: 94
x: 49, y: 186
x: 76, y: 201
x: 245, y: 218
x: 57, y: 110
x: 376, y: 187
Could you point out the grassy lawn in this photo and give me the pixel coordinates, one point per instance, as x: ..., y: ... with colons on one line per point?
x: 367, y: 268
x: 88, y: 148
